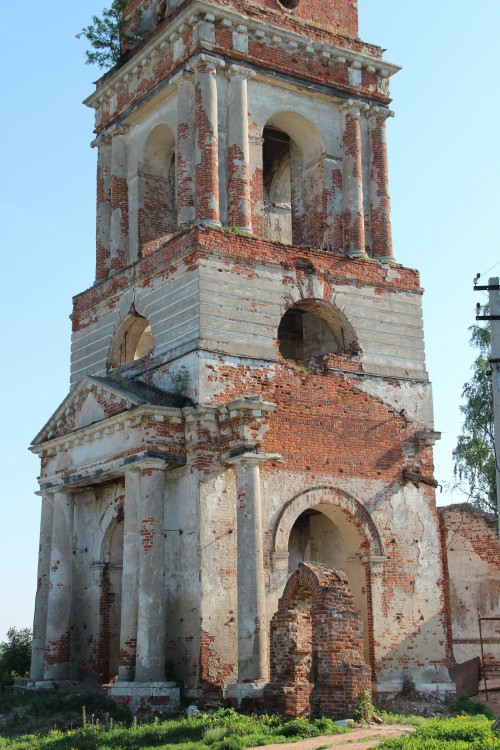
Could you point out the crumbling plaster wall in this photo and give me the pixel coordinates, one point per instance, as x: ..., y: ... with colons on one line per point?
x: 94, y: 512
x: 470, y: 539
x: 235, y: 309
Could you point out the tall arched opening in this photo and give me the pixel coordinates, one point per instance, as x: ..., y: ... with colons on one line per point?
x: 157, y: 190
x: 326, y: 526
x: 111, y: 567
x: 293, y: 180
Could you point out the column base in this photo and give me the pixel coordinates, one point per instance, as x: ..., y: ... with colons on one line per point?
x: 245, y: 231
x: 386, y: 261
x: 358, y: 255
x: 249, y: 695
x: 147, y: 698
x: 210, y: 223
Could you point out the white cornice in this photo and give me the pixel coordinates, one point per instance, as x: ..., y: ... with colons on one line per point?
x: 261, y: 31
x: 108, y: 426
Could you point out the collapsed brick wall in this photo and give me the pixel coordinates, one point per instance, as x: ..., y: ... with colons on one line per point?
x: 316, y: 654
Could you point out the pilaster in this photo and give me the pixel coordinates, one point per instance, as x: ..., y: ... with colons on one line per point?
x: 184, y: 151
x: 240, y: 212
x: 354, y: 218
x: 103, y: 226
x: 252, y: 629
x: 57, y: 643
x: 129, y: 610
x: 119, y: 200
x: 150, y: 659
x: 380, y: 201
x: 206, y: 162
x: 42, y: 588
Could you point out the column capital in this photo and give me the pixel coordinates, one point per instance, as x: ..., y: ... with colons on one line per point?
x: 101, y: 140
x: 239, y: 70
x: 117, y: 130
x: 375, y: 112
x: 248, y: 458
x: 182, y: 76
x: 353, y: 107
x: 147, y: 463
x: 203, y: 59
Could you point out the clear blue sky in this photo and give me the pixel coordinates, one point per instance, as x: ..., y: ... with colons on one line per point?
x: 445, y: 169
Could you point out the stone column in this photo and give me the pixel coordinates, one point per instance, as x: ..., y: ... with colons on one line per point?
x: 184, y: 149
x: 119, y: 200
x: 42, y: 587
x: 206, y: 162
x: 103, y: 228
x: 128, y: 622
x: 57, y: 641
x: 150, y: 660
x: 354, y: 218
x: 260, y: 225
x: 240, y: 212
x: 252, y: 630
x: 380, y: 201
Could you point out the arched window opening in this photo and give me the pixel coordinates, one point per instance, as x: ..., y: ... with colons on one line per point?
x: 157, y: 190
x: 277, y: 185
x: 133, y: 340
x: 293, y: 180
x: 312, y: 329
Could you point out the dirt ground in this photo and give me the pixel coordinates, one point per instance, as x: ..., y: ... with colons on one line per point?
x: 361, y: 739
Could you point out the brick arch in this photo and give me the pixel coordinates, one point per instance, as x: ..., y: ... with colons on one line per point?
x: 326, y: 495
x: 316, y: 655
x: 316, y: 579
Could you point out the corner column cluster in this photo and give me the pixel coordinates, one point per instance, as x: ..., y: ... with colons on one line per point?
x: 357, y: 195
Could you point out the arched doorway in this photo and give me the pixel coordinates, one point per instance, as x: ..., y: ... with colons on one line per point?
x: 327, y: 526
x: 110, y: 597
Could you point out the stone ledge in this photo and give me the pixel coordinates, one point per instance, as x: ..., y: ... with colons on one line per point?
x: 147, y: 698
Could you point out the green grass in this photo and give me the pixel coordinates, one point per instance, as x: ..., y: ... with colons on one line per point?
x: 459, y: 733
x: 223, y: 730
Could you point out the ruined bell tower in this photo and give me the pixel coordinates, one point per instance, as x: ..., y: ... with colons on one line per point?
x: 249, y: 426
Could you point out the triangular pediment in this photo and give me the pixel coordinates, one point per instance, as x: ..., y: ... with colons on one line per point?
x: 91, y: 401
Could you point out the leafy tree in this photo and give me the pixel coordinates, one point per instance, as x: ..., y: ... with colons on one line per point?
x: 106, y: 34
x: 15, y: 655
x: 475, y: 450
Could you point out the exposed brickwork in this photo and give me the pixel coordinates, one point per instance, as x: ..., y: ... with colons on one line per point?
x: 316, y: 646
x: 472, y: 568
x: 380, y: 203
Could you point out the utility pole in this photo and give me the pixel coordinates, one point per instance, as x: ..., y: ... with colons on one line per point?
x: 493, y: 288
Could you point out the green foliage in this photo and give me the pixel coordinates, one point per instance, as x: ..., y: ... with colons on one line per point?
x: 106, y: 35
x: 389, y: 717
x: 225, y: 729
x: 469, y: 707
x: 15, y: 655
x: 460, y: 733
x: 180, y: 380
x: 364, y: 708
x: 474, y: 454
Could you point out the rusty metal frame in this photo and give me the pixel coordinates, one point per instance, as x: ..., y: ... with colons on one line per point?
x: 483, y: 619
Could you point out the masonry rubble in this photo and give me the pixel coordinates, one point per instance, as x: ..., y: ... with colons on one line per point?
x: 229, y: 502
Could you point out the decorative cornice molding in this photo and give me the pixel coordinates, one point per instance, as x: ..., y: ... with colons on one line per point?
x: 261, y: 31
